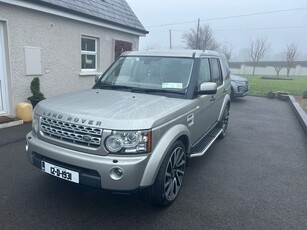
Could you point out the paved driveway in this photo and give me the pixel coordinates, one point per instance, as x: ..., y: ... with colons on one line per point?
x: 255, y: 178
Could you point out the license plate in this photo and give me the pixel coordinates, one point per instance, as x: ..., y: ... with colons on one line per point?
x: 60, y: 172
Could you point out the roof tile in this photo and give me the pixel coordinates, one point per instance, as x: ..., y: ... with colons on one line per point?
x: 112, y: 11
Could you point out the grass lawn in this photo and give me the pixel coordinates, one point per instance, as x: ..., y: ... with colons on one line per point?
x: 260, y: 87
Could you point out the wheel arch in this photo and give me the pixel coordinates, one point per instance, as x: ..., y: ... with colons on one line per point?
x: 179, y: 132
x: 185, y: 141
x: 226, y: 103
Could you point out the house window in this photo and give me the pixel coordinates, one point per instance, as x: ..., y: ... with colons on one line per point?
x: 88, y: 53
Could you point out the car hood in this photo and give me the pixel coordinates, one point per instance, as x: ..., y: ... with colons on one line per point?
x: 237, y: 78
x: 112, y: 109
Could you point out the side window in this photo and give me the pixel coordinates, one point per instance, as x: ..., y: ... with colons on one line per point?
x: 204, y: 71
x: 225, y: 67
x: 216, y: 72
x: 89, y: 53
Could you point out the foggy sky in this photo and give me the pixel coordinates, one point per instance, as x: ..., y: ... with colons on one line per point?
x: 280, y: 28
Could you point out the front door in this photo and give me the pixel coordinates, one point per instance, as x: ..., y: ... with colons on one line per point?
x: 122, y: 46
x: 204, y: 116
x: 1, y: 100
x: 3, y: 85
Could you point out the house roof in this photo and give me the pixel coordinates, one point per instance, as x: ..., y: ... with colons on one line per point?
x: 115, y: 12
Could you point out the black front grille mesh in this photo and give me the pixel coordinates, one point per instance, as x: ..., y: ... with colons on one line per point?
x: 72, y: 133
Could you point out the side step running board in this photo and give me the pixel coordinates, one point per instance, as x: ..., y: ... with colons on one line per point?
x: 205, y: 144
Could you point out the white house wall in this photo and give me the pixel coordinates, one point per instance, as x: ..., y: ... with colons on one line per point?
x: 60, y: 42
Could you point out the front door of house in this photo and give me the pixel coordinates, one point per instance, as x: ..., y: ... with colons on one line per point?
x: 3, y: 85
x: 1, y: 102
x: 122, y: 46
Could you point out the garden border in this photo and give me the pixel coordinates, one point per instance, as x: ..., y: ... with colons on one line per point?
x: 11, y: 123
x: 299, y: 112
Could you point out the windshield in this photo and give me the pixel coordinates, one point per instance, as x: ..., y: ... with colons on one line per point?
x: 149, y: 73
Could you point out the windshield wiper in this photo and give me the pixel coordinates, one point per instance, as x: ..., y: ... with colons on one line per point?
x: 109, y: 86
x: 138, y: 90
x: 146, y: 90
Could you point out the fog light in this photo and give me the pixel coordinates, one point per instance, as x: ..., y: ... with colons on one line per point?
x: 116, y: 173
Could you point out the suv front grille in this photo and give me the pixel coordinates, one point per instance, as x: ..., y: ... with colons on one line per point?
x: 72, y: 133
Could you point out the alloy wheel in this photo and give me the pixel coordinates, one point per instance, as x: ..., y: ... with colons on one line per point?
x: 174, y: 173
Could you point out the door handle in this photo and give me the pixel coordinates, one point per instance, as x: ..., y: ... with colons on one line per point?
x: 212, y: 99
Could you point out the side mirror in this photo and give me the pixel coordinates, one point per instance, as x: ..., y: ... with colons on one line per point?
x: 207, y: 88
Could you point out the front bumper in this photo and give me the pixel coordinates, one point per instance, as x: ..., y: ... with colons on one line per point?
x: 94, y: 170
x: 240, y: 94
x: 240, y: 89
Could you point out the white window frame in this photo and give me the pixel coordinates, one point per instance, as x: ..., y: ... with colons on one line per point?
x: 4, y: 68
x: 90, y: 53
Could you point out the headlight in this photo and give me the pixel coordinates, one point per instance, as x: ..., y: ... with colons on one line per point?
x: 129, y: 142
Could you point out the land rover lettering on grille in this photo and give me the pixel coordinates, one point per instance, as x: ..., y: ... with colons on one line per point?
x: 72, y: 119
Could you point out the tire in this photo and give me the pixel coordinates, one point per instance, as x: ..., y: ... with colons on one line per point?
x: 170, y: 177
x: 224, y: 123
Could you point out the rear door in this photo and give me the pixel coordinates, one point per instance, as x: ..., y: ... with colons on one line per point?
x: 217, y: 77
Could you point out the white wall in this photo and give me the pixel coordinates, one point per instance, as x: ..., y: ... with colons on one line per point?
x: 270, y: 71
x: 60, y: 42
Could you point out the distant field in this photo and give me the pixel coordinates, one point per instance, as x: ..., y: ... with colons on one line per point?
x: 260, y: 87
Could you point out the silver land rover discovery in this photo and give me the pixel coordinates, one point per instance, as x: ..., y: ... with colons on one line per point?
x: 137, y: 127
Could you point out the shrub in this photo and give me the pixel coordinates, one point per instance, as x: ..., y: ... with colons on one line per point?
x: 35, y: 89
x: 271, y: 94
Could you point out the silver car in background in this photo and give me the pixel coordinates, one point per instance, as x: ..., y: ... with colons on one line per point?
x: 239, y: 86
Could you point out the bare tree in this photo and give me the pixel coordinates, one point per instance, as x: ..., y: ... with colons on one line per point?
x: 201, y: 38
x: 226, y: 49
x: 258, y: 49
x: 290, y: 54
x: 278, y: 67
